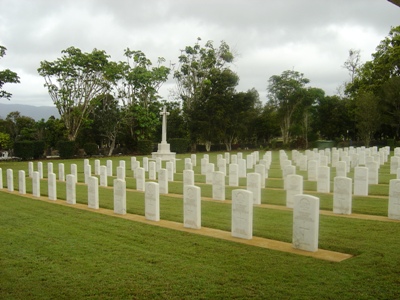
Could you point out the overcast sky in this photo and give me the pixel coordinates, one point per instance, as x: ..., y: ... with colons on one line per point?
x: 268, y: 36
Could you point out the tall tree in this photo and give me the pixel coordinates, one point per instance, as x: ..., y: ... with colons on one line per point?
x: 198, y: 65
x: 73, y: 81
x: 6, y: 76
x: 136, y: 83
x: 287, y: 92
x: 367, y: 116
x: 353, y: 63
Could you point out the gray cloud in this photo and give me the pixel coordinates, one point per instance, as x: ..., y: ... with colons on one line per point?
x: 269, y: 37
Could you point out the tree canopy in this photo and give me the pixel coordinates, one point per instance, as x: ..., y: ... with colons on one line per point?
x: 6, y: 76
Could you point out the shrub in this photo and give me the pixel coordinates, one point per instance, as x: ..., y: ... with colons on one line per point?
x: 38, y: 149
x: 91, y: 149
x: 24, y: 150
x: 179, y: 145
x: 145, y: 147
x: 66, y: 148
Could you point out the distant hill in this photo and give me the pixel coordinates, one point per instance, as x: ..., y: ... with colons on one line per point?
x: 35, y: 112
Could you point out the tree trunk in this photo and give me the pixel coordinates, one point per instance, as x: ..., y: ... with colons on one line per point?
x: 208, y: 146
x: 112, y: 146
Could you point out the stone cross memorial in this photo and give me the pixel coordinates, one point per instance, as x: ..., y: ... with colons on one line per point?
x: 164, y: 151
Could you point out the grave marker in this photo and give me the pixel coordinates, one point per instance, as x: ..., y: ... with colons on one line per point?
x: 305, y: 222
x: 192, y: 207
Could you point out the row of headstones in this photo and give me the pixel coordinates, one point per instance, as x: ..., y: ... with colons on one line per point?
x: 352, y: 156
x: 363, y: 176
x: 342, y: 193
x: 305, y: 229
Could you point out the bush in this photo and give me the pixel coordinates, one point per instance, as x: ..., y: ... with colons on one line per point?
x: 29, y: 149
x: 91, y: 149
x: 38, y: 149
x: 66, y: 148
x: 145, y: 147
x: 179, y: 145
x: 24, y: 149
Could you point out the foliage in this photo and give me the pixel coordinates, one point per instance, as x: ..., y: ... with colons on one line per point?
x: 29, y: 149
x: 287, y: 92
x: 202, y: 68
x: 66, y: 149
x: 6, y: 76
x: 24, y: 150
x: 5, y: 141
x: 145, y: 147
x: 179, y: 145
x: 367, y: 115
x: 91, y: 149
x: 73, y: 81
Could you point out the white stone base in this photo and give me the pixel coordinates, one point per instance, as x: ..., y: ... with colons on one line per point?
x: 164, y: 152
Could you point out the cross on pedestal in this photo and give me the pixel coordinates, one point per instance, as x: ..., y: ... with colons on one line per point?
x: 164, y: 113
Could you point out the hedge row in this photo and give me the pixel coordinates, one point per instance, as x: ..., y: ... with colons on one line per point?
x: 29, y: 149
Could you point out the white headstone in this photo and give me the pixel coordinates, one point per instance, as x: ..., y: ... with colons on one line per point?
x: 188, y: 177
x: 233, y: 174
x: 170, y: 170
x: 30, y: 169
x: 133, y: 163
x: 260, y: 169
x: 36, y: 184
x: 305, y: 222
x: 52, y: 186
x: 218, y: 185
x: 341, y: 169
x: 373, y: 172
x: 140, y: 179
x: 93, y: 192
x: 10, y: 180
x: 294, y: 187
x: 242, y: 214
x: 120, y: 196
x: 152, y: 170
x: 254, y: 186
x: 192, y: 207
x: 324, y: 180
x: 61, y: 172
x: 249, y: 161
x: 342, y: 195
x: 152, y: 201
x: 242, y: 168
x: 74, y: 171
x: 109, y: 164
x: 209, y: 173
x: 222, y: 165
x: 193, y: 157
x: 49, y: 168
x: 146, y: 163
x: 103, y: 176
x: 21, y: 182
x: 361, y: 181
x: 87, y: 172
x: 163, y: 181
x: 312, y: 170
x: 96, y: 167
x: 40, y: 169
x: 204, y: 163
x: 394, y: 164
x: 121, y: 173
x: 394, y: 199
x: 71, y: 189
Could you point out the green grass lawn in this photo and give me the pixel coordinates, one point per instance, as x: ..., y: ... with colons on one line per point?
x: 50, y: 251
